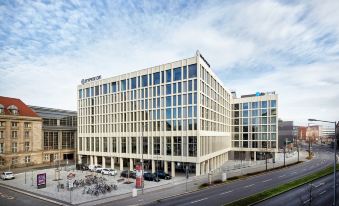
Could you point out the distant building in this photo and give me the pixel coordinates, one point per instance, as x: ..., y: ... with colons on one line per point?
x: 59, y: 130
x: 287, y: 133
x: 20, y: 134
x: 302, y: 133
x: 313, y: 133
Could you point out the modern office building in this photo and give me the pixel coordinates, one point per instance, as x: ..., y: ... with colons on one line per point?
x: 59, y: 130
x: 20, y: 134
x: 172, y: 115
x: 254, y: 126
x: 286, y: 133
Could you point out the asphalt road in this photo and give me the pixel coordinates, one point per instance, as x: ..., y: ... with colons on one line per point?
x: 227, y: 193
x: 319, y: 192
x: 12, y: 198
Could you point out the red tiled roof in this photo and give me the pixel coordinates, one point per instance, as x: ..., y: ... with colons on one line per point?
x: 23, y: 109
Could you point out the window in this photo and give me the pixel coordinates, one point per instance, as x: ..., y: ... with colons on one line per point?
x: 145, y: 145
x: 1, y: 148
x: 27, y: 159
x: 245, y: 106
x: 2, y: 124
x: 123, y: 145
x: 177, y: 146
x: 168, y: 89
x: 192, y: 71
x: 134, y: 145
x: 185, y: 72
x: 88, y: 144
x: 27, y: 125
x: 245, y: 113
x: 87, y: 92
x: 14, y: 124
x: 14, y: 134
x: 192, y: 146
x: 168, y: 101
x: 46, y: 157
x: 168, y: 113
x: 105, y: 88
x: 114, y: 144
x: 144, y: 80
x: 2, y: 134
x: 177, y: 74
x: 168, y: 146
x: 264, y: 104
x: 273, y: 103
x: 114, y: 87
x: 96, y: 90
x: 26, y: 134
x: 97, y: 144
x: 14, y: 147
x: 274, y: 111
x: 105, y: 144
x: 156, y: 78
x: 123, y: 85
x: 168, y: 75
x: 134, y: 83
x: 254, y: 105
x: 168, y: 125
x: 26, y: 146
x: 14, y: 160
x: 156, y: 145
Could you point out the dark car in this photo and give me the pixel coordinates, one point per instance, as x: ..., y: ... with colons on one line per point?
x: 151, y: 177
x: 163, y: 175
x: 125, y: 174
x: 81, y: 167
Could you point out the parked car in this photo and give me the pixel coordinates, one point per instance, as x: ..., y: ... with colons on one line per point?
x: 81, y: 167
x: 93, y: 168
x: 125, y: 174
x: 7, y: 175
x: 163, y: 175
x: 151, y: 177
x: 98, y: 169
x: 107, y: 171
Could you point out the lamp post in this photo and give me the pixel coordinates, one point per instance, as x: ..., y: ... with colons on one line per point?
x: 335, y: 154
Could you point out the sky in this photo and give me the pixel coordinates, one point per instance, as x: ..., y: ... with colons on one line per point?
x: 290, y: 47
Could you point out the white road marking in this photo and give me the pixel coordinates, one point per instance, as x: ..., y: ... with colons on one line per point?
x: 199, y: 200
x: 226, y: 192
x: 306, y: 201
x: 282, y: 176
x: 322, y: 183
x: 267, y: 180
x: 294, y: 172
x: 249, y: 186
x: 322, y: 192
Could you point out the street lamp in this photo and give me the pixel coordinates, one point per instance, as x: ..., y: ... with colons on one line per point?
x: 335, y: 155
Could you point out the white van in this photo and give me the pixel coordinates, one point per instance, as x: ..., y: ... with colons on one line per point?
x: 93, y: 168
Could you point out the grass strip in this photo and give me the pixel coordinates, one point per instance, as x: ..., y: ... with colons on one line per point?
x: 250, y: 200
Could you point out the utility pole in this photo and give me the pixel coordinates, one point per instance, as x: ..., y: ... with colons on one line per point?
x: 298, y: 148
x: 285, y: 152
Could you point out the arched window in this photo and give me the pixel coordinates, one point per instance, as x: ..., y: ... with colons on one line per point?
x: 13, y: 109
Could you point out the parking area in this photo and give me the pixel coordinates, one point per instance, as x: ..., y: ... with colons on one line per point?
x: 86, y: 186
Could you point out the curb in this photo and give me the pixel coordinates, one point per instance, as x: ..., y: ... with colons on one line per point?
x: 33, y: 195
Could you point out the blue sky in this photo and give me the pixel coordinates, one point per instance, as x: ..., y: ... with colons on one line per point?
x: 291, y: 47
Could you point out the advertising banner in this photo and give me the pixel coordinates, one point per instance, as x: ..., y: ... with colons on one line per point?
x: 139, y: 177
x: 41, y: 180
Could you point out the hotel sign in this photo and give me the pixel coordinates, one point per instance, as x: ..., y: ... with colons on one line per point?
x: 84, y: 81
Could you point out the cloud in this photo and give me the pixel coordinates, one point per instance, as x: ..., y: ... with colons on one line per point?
x: 289, y: 47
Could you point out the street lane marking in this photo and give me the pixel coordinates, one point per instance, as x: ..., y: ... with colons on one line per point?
x: 249, y: 186
x: 306, y: 201
x: 322, y: 192
x: 267, y: 180
x: 226, y: 192
x: 282, y: 176
x: 319, y: 185
x: 199, y: 200
x: 294, y: 172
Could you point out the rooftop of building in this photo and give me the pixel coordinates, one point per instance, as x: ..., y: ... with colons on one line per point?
x: 52, y: 113
x: 14, y: 106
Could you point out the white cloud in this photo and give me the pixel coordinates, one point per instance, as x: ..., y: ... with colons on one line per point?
x: 46, y: 49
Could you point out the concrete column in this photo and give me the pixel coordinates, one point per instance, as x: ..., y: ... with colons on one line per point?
x: 95, y: 160
x: 79, y: 159
x: 202, y: 168
x: 112, y: 162
x: 208, y: 166
x: 131, y: 167
x: 197, y: 169
x: 166, y: 166
x: 173, y: 169
x: 103, y: 162
x: 121, y: 163
x: 153, y: 166
x: 91, y: 159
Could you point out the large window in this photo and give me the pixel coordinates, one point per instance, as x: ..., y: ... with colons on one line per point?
x: 273, y: 103
x: 144, y: 80
x: 156, y: 78
x: 14, y: 147
x: 168, y: 75
x: 114, y: 87
x: 105, y: 88
x: 168, y: 146
x: 123, y: 85
x: 97, y: 144
x: 123, y: 144
x: 134, y: 83
x: 134, y: 145
x: 192, y: 146
x: 177, y: 74
x: 26, y: 146
x: 105, y: 144
x: 177, y: 146
x: 168, y: 89
x: 156, y: 145
x: 145, y: 145
x: 192, y: 71
x: 114, y: 144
